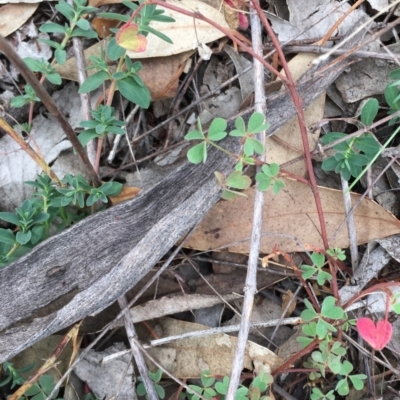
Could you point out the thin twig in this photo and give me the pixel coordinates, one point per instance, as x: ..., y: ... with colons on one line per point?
x: 351, y: 225
x: 250, y: 288
x: 85, y: 97
x: 137, y: 354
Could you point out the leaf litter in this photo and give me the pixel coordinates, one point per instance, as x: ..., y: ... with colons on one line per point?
x: 291, y: 213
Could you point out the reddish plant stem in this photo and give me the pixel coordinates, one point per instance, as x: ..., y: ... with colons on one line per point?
x: 300, y: 115
x: 383, y: 287
x: 287, y: 365
x: 227, y: 32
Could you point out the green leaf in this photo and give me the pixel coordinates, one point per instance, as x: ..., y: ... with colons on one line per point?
x: 237, y: 180
x: 141, y: 390
x: 83, y: 24
x: 86, y: 136
x: 252, y: 146
x: 114, y: 51
x: 357, y: 381
x: 61, y: 57
x: 332, y: 137
x: 51, y: 27
x: 308, y: 271
x: 198, y: 153
x: 391, y: 93
x: 318, y: 259
x: 263, y: 181
x: 330, y: 310
x: 54, y: 78
x: 368, y: 145
x: 278, y: 186
x: 23, y: 238
x: 93, y: 82
x: 256, y: 120
x: 322, y: 329
x: 342, y: 387
x: 6, y: 236
x: 147, y: 28
x: 39, y: 218
x: 194, y: 135
x: 10, y: 217
x: 369, y: 111
x: 112, y: 189
x: 394, y: 75
x: 65, y: 9
x: 90, y: 34
x: 139, y: 95
x: 34, y: 64
x: 330, y: 164
x: 323, y: 276
x: 274, y: 169
x: 222, y: 387
x: 217, y: 129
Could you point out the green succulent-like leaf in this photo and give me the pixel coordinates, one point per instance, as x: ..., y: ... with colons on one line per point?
x: 369, y: 111
x: 93, y: 82
x: 134, y: 92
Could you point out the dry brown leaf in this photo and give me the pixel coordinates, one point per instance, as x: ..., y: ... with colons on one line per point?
x: 13, y: 16
x: 187, y: 358
x: 103, y: 25
x: 160, y: 75
x: 126, y: 194
x: 292, y: 213
x: 286, y: 144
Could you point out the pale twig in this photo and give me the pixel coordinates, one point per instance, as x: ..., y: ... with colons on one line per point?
x: 351, y: 225
x: 85, y: 97
x: 137, y: 354
x: 250, y: 288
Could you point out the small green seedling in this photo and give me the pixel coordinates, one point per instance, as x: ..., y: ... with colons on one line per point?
x: 156, y: 378
x: 309, y: 271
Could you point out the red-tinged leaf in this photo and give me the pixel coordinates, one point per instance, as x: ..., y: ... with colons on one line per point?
x: 129, y: 38
x: 377, y: 336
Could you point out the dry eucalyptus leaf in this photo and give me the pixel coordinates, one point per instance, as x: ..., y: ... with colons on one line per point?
x: 290, y: 214
x: 187, y: 358
x: 13, y: 16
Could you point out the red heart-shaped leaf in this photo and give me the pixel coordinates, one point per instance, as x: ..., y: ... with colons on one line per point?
x: 377, y: 336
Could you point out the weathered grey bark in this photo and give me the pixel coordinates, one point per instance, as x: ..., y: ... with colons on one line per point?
x: 86, y: 268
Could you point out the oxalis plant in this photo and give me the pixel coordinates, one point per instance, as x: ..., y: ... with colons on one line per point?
x: 211, y: 388
x: 332, y: 373
x: 252, y: 147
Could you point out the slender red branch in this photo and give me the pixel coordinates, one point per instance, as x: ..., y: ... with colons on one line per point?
x: 383, y: 287
x: 300, y: 115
